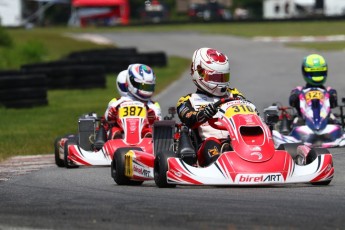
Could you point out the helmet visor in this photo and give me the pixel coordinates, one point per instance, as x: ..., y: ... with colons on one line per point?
x: 143, y: 86
x: 317, y: 76
x: 214, y: 77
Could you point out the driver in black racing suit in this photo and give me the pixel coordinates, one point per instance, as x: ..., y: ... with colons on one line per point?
x: 210, y: 71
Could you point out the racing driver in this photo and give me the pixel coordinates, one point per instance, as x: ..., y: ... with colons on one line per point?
x: 140, y: 85
x: 210, y: 72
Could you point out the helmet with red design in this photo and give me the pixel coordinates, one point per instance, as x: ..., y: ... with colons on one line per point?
x: 210, y: 71
x: 141, y: 81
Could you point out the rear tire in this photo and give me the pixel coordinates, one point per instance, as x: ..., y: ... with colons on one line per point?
x: 70, y: 141
x: 161, y: 169
x: 163, y: 136
x: 59, y: 162
x: 291, y: 148
x: 118, y: 167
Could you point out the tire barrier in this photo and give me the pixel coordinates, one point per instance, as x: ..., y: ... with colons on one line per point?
x: 22, y: 90
x: 102, y: 53
x: 117, y: 60
x: 28, y: 86
x: 69, y: 75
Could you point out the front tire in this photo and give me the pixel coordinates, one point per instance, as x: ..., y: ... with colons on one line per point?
x: 161, y: 169
x: 312, y: 155
x: 118, y: 167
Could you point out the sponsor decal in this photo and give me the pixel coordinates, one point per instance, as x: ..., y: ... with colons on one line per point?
x: 258, y: 178
x: 257, y: 154
x: 176, y: 173
x: 188, y: 115
x: 199, y: 99
x: 183, y: 111
x: 214, y: 151
x: 256, y: 148
x: 141, y: 171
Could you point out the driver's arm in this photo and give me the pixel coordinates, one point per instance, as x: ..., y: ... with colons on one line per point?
x: 188, y: 115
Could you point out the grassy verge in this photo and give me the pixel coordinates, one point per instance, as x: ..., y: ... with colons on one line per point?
x: 252, y: 29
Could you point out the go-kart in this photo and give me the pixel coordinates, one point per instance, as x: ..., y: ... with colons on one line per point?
x: 252, y: 159
x: 90, y: 147
x: 315, y: 127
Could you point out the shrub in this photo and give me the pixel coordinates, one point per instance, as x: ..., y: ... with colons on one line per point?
x: 32, y: 51
x: 5, y: 38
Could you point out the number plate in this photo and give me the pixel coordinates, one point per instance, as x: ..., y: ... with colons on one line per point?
x: 314, y: 95
x: 239, y: 109
x: 132, y: 111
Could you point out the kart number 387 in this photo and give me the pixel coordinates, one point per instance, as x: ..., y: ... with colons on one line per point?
x: 137, y: 111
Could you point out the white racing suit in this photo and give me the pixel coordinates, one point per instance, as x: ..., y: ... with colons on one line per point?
x: 110, y: 115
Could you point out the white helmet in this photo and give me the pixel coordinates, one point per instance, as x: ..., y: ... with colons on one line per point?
x: 121, y: 83
x: 210, y: 71
x: 141, y: 81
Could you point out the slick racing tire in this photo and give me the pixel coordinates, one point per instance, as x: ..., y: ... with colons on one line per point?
x: 291, y: 148
x: 163, y: 135
x: 70, y: 141
x: 59, y: 162
x: 118, y: 167
x: 161, y: 169
x: 313, y: 154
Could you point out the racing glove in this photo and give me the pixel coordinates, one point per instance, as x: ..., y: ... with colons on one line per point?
x: 112, y: 114
x: 210, y: 110
x: 151, y: 116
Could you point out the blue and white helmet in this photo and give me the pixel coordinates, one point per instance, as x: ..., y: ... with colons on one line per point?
x: 141, y: 81
x: 121, y: 83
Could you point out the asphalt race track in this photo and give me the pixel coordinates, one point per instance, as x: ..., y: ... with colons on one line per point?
x: 88, y: 198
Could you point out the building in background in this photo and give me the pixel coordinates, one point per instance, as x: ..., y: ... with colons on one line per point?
x: 99, y: 13
x: 284, y: 9
x: 18, y: 13
x: 11, y: 13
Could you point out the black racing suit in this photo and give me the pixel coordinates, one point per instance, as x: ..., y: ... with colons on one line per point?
x: 190, y: 109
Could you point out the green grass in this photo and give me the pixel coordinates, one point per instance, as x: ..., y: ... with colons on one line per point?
x: 33, y: 131
x: 252, y: 29
x: 245, y: 29
x: 53, y: 40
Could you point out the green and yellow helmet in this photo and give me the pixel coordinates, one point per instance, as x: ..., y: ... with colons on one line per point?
x: 314, y: 69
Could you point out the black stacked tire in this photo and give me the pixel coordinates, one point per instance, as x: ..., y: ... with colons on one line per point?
x: 70, y: 74
x: 103, y: 53
x: 22, y: 90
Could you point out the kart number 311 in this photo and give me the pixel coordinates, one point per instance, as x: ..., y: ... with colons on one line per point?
x: 239, y: 109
